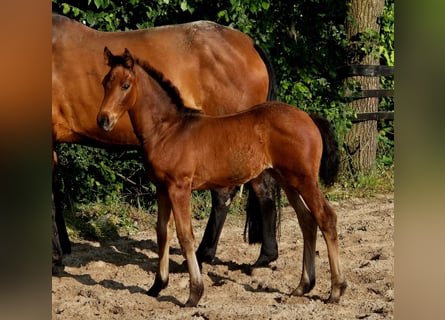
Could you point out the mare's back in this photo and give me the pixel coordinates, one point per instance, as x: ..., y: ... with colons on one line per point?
x: 215, y: 68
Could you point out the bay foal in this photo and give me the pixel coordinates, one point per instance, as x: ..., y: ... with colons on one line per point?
x: 185, y: 150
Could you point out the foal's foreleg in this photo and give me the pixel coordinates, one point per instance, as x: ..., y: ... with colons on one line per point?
x: 308, y: 227
x: 164, y: 230
x: 180, y: 198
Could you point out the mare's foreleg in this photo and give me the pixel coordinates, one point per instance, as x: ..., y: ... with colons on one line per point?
x: 180, y: 194
x: 164, y: 230
x: 221, y: 200
x: 261, y: 206
x: 57, y: 265
x: 58, y: 218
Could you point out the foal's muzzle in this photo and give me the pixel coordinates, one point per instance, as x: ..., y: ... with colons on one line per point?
x: 104, y: 122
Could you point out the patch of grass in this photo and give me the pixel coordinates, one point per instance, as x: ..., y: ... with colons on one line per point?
x: 378, y: 180
x: 101, y: 221
x: 116, y: 218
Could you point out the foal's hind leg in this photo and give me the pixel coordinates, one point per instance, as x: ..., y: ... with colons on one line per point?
x: 327, y: 221
x: 221, y: 200
x: 308, y: 227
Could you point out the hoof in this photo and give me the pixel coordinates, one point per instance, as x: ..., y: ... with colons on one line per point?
x: 204, y: 257
x: 264, y: 261
x: 336, y: 293
x: 157, y: 286
x: 153, y: 292
x: 57, y: 269
x: 303, y: 288
x: 195, y: 296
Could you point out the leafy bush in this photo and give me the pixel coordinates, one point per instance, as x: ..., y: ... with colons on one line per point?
x: 87, y: 174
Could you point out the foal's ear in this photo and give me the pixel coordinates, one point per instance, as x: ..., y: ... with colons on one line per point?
x: 129, y: 61
x: 108, y: 56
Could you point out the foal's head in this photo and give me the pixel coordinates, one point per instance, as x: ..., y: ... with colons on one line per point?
x: 122, y: 89
x: 119, y: 87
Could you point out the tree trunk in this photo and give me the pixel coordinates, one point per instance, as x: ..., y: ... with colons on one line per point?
x: 360, y: 142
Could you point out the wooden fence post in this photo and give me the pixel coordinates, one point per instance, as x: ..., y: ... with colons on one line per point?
x: 364, y: 115
x: 362, y: 28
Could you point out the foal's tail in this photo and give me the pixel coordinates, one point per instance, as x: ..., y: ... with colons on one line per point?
x: 330, y: 160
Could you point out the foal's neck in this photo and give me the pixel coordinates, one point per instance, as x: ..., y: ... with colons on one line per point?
x: 162, y: 88
x: 159, y: 106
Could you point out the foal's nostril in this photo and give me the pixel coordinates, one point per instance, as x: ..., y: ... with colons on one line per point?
x: 103, y: 121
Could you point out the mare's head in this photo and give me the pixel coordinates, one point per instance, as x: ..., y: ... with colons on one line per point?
x: 119, y: 87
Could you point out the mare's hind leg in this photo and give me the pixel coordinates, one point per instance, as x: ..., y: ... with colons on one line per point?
x: 262, y: 218
x: 308, y: 227
x: 221, y: 200
x: 164, y: 230
x: 327, y: 221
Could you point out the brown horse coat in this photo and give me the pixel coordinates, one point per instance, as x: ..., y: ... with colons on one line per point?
x: 216, y: 69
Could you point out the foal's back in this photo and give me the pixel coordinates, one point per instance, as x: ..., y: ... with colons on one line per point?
x: 266, y: 124
x: 235, y: 148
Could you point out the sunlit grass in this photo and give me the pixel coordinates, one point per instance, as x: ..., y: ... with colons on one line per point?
x: 378, y: 180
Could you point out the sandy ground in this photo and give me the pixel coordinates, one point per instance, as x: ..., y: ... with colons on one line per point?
x: 109, y: 280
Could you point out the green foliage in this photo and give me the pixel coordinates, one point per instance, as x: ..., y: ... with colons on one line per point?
x: 386, y: 49
x: 87, y: 174
x: 385, y: 138
x: 306, y: 42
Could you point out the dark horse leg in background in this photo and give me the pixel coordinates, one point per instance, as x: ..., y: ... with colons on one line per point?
x: 261, y: 210
x: 60, y: 241
x: 221, y: 200
x: 57, y: 265
x: 260, y: 220
x: 64, y: 240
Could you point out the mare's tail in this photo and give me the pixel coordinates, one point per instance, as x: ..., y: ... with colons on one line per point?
x: 272, y: 90
x: 254, y: 216
x: 330, y: 160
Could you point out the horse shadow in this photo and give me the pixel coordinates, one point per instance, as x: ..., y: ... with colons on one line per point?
x: 120, y: 252
x: 124, y: 251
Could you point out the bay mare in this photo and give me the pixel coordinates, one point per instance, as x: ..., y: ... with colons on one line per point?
x: 185, y: 150
x: 217, y: 70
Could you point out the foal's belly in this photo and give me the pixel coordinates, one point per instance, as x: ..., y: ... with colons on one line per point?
x: 232, y: 168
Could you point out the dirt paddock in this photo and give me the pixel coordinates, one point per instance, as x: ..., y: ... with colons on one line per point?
x: 109, y: 280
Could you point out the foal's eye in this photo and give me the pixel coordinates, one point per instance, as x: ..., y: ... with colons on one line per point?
x: 125, y: 86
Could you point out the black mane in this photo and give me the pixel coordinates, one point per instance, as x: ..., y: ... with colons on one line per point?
x: 171, y: 90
